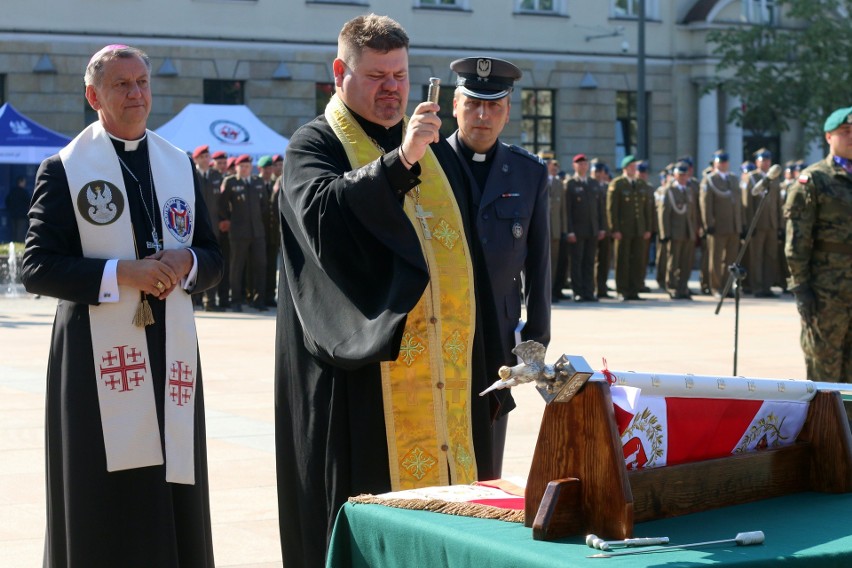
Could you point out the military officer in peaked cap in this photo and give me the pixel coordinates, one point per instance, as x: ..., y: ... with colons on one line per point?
x: 510, y: 200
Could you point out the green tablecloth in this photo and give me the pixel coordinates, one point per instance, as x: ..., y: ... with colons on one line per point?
x: 806, y: 529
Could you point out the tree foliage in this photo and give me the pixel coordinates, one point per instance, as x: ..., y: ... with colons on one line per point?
x: 799, y: 70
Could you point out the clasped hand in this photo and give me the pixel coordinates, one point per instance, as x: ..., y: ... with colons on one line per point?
x: 157, y: 274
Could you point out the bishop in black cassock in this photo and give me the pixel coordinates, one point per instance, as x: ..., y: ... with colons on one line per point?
x: 133, y: 517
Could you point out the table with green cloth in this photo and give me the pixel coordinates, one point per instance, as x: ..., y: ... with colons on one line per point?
x: 803, y: 529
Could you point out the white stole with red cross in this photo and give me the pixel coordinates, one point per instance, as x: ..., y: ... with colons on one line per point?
x: 120, y: 350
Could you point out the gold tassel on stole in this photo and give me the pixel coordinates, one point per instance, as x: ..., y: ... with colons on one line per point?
x: 143, y: 316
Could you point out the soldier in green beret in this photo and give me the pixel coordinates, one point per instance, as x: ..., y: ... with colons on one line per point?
x: 629, y: 218
x: 818, y: 213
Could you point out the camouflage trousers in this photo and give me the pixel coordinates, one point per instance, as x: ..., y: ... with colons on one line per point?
x: 827, y: 341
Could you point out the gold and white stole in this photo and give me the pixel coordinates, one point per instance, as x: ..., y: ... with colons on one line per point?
x: 120, y: 350
x: 427, y: 389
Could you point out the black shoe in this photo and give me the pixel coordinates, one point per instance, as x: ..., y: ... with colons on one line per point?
x: 554, y: 299
x: 235, y: 307
x: 591, y: 299
x: 260, y: 307
x: 603, y: 295
x: 580, y: 299
x: 209, y: 308
x: 271, y: 304
x: 645, y: 289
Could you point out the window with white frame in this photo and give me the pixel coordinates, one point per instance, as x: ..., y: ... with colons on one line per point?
x: 630, y: 9
x: 441, y: 3
x: 541, y: 6
x: 760, y: 11
x: 537, y: 119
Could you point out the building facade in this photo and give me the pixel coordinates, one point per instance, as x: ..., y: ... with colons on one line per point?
x: 579, y: 58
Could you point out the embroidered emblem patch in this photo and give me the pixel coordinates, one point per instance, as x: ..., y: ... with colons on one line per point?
x: 100, y: 202
x: 177, y: 217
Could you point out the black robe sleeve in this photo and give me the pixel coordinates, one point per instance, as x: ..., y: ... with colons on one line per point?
x: 53, y: 262
x: 351, y: 256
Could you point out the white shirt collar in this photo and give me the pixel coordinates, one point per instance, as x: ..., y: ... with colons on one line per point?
x: 129, y: 145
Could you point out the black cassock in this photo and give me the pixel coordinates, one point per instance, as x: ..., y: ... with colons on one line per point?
x: 353, y: 268
x: 95, y: 518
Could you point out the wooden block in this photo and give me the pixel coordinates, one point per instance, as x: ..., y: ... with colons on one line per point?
x: 580, y: 439
x: 692, y: 487
x: 827, y: 430
x: 561, y: 511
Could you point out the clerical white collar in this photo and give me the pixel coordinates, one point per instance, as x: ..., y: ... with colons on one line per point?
x: 479, y: 157
x: 129, y: 145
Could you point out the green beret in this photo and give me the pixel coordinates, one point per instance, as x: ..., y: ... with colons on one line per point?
x: 627, y: 160
x: 264, y: 161
x: 837, y: 118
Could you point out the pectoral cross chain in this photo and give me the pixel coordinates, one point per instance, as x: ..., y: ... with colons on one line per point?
x: 154, y: 243
x: 422, y: 216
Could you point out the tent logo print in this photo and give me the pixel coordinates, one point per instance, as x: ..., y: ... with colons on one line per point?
x: 229, y: 132
x: 20, y: 127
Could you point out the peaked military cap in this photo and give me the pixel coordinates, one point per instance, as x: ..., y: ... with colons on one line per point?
x: 837, y: 118
x: 642, y: 167
x: 485, y: 78
x: 762, y: 153
x: 681, y: 168
x: 748, y: 167
x: 720, y: 156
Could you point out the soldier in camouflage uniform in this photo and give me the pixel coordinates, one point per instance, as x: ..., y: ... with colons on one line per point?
x: 818, y: 211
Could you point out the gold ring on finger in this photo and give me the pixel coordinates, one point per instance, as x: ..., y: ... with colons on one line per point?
x: 160, y: 286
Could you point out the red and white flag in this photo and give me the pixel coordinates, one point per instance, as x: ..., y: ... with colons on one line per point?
x: 658, y: 431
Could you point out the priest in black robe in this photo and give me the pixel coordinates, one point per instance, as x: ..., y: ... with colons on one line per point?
x: 354, y: 268
x: 131, y: 517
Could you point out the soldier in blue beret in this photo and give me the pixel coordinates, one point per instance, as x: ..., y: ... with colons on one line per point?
x: 509, y: 195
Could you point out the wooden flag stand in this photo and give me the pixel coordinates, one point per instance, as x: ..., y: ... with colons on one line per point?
x: 578, y: 482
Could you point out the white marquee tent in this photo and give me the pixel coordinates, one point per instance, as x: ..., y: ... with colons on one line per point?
x: 232, y: 128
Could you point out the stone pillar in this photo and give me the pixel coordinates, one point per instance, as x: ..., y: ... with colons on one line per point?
x: 708, y: 127
x: 733, y: 134
x: 815, y: 151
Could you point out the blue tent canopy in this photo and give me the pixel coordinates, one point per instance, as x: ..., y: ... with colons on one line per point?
x: 24, y: 141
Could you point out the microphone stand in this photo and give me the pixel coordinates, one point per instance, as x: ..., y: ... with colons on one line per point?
x: 736, y: 272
